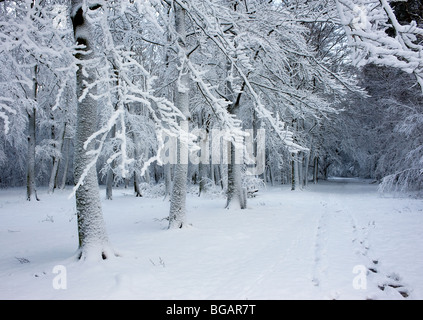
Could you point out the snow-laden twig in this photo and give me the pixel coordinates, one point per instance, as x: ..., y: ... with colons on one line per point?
x: 367, y: 35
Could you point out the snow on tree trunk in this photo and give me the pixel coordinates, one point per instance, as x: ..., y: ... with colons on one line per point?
x: 177, y: 214
x: 168, y: 179
x: 65, y: 154
x: 306, y: 165
x: 137, y: 189
x: 300, y: 160
x: 30, y: 175
x: 235, y: 190
x: 203, y: 170
x: 293, y: 173
x: 66, y: 164
x: 56, y: 161
x: 216, y: 168
x: 203, y: 166
x: 110, y: 174
x: 93, y: 239
x: 109, y: 184
x: 315, y: 169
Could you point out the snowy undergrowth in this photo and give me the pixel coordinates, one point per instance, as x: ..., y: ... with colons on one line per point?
x: 310, y: 244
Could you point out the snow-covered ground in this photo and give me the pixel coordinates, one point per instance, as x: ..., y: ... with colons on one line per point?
x: 336, y: 240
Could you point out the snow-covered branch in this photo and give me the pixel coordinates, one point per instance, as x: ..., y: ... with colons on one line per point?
x: 377, y: 36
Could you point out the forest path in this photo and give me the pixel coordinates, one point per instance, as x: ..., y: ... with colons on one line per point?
x: 320, y: 255
x: 329, y: 255
x: 346, y: 217
x: 340, y: 252
x: 314, y: 246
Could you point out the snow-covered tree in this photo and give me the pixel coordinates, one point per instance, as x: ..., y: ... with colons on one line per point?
x: 178, y: 199
x: 390, y: 34
x: 295, y: 79
x: 93, y: 239
x: 35, y: 50
x: 250, y: 57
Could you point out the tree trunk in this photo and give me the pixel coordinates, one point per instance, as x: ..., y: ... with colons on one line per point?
x: 234, y: 190
x: 56, y: 161
x: 67, y: 140
x: 271, y: 175
x: 316, y: 169
x: 203, y: 165
x: 217, y: 175
x: 137, y: 189
x: 109, y: 184
x: 294, y: 172
x: 300, y: 175
x: 177, y: 214
x: 147, y: 175
x: 66, y: 160
x: 30, y: 175
x: 306, y: 165
x: 168, y: 179
x: 93, y: 239
x: 110, y: 174
x: 202, y: 173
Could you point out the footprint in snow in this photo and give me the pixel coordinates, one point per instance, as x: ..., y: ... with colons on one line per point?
x: 393, y: 280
